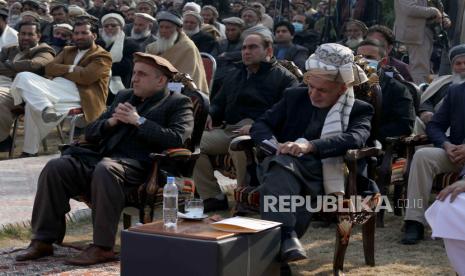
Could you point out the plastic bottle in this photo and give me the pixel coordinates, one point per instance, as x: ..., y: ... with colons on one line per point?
x: 170, y: 203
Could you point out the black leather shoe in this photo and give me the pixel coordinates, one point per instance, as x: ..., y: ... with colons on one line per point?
x: 292, y: 250
x: 36, y: 250
x: 26, y: 155
x: 214, y: 204
x: 414, y: 232
x: 5, y: 145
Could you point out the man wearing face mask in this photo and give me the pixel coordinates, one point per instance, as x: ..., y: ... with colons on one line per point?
x: 305, y: 35
x: 62, y: 36
x: 285, y: 49
x: 398, y: 111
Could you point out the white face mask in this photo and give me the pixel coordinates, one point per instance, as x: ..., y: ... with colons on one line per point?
x: 373, y: 63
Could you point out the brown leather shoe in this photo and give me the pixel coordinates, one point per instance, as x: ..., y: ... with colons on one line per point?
x: 37, y: 249
x: 92, y: 255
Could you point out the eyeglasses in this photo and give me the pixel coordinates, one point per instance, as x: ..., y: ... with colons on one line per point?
x: 110, y: 25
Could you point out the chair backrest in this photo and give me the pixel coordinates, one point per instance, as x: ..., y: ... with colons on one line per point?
x: 209, y: 63
x: 201, y: 106
x: 294, y: 69
x: 371, y: 93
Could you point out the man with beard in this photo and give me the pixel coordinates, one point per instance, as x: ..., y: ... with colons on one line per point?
x: 62, y: 36
x: 354, y: 31
x: 433, y: 96
x: 8, y: 35
x: 252, y: 18
x: 174, y: 45
x: 146, y: 7
x: 79, y: 79
x: 28, y: 56
x: 141, y: 31
x: 121, y: 50
x: 191, y: 26
x: 60, y: 16
x: 210, y: 16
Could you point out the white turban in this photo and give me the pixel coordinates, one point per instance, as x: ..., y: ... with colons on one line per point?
x: 335, y: 62
x: 116, y: 16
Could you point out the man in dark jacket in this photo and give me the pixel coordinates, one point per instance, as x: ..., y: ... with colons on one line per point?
x: 257, y: 84
x: 448, y: 155
x: 192, y: 21
x: 311, y: 128
x: 148, y: 118
x: 141, y: 31
x: 285, y: 49
x: 398, y: 111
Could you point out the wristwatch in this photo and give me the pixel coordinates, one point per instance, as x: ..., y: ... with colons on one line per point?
x: 140, y: 121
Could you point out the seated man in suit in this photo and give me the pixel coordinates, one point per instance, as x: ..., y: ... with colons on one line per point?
x: 448, y: 155
x: 285, y: 49
x: 30, y: 56
x: 398, y: 111
x: 312, y: 128
x: 148, y: 118
x: 80, y: 79
x: 252, y: 88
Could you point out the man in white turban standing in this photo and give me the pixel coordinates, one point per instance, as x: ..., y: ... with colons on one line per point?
x: 312, y: 128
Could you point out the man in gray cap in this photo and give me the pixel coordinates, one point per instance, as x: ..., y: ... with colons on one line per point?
x: 174, y: 45
x: 141, y: 31
x: 147, y: 118
x: 433, y: 96
x: 204, y: 41
x: 232, y: 42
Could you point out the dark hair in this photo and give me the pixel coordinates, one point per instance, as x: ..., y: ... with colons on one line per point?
x: 286, y: 24
x: 57, y: 7
x: 82, y: 22
x: 376, y: 43
x: 267, y: 41
x: 33, y: 23
x: 387, y: 33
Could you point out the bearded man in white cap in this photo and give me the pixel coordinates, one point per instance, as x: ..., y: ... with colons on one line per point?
x: 312, y: 128
x: 121, y: 49
x: 175, y: 46
x: 141, y: 31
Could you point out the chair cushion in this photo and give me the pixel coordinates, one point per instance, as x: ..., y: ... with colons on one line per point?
x: 398, y: 170
x: 224, y: 164
x: 443, y: 180
x: 186, y: 192
x: 248, y: 196
x: 178, y: 152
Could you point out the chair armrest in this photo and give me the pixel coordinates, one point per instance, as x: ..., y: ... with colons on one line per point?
x: 241, y: 143
x: 357, y: 154
x: 416, y: 140
x: 63, y: 147
x: 178, y: 154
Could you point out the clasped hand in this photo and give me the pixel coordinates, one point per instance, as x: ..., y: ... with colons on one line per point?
x: 125, y: 113
x: 295, y: 149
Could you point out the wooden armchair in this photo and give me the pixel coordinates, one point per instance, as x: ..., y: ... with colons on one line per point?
x: 249, y: 198
x: 178, y: 162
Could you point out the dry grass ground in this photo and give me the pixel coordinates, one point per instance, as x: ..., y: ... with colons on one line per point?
x: 392, y: 258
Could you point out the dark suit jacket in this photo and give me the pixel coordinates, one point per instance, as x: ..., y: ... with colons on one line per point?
x: 401, y: 67
x: 33, y: 60
x: 289, y: 119
x: 167, y: 125
x: 295, y: 53
x: 450, y: 114
x: 204, y: 42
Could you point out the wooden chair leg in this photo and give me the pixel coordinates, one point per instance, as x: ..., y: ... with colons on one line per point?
x: 368, y: 234
x: 60, y: 133
x: 398, y: 199
x: 380, y: 219
x: 13, y: 137
x: 44, y: 144
x: 126, y: 221
x: 343, y: 231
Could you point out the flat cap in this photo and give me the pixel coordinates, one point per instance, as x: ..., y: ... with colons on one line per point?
x: 34, y: 3
x: 145, y: 16
x: 234, y: 21
x: 150, y: 2
x: 32, y: 14
x: 64, y: 26
x: 171, y: 17
x: 4, y: 12
x: 456, y: 51
x: 158, y: 62
x: 212, y: 8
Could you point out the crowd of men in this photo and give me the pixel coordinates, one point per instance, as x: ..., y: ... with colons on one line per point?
x: 114, y: 60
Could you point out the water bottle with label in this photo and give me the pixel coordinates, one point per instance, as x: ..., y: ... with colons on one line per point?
x: 170, y: 203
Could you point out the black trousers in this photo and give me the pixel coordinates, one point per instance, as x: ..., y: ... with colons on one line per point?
x: 66, y: 177
x: 284, y: 175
